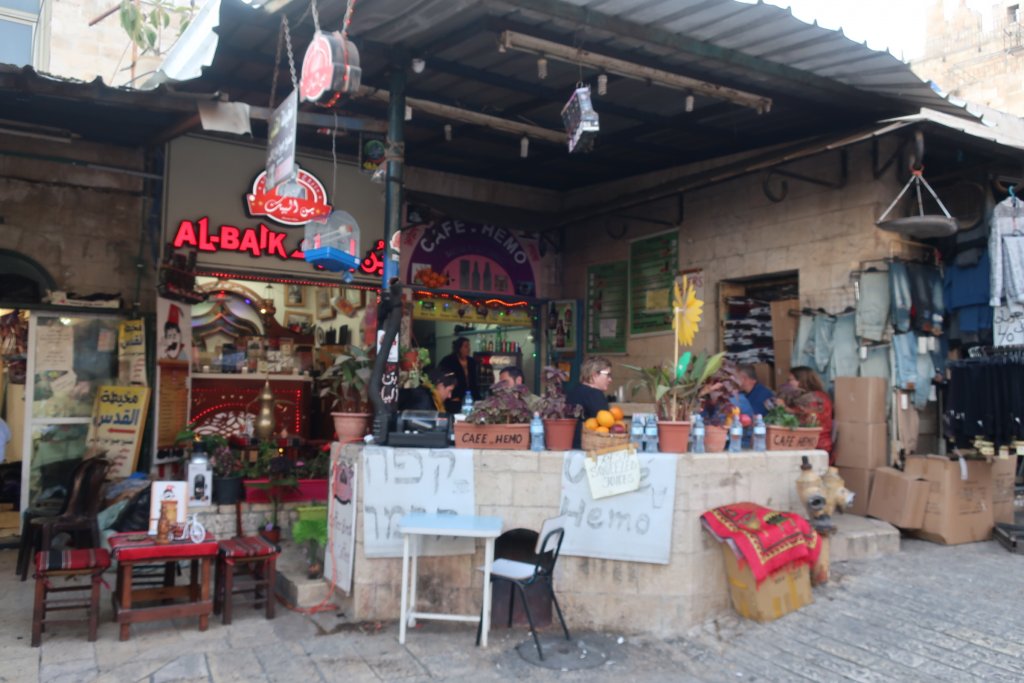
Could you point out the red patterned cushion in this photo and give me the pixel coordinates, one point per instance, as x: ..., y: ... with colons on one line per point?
x: 248, y: 546
x: 63, y: 560
x: 135, y: 546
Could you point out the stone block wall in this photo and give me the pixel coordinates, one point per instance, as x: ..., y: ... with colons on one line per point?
x: 524, y: 488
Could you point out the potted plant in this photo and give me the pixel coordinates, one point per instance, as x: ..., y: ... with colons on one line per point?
x: 502, y: 420
x: 309, y: 472
x: 280, y: 481
x: 718, y: 407
x: 560, y: 418
x: 311, y: 528
x: 678, y: 393
x: 791, y: 423
x: 225, y: 462
x: 346, y: 382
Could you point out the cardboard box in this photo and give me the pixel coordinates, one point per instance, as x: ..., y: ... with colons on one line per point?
x: 859, y: 481
x: 860, y: 399
x: 898, y: 498
x: 764, y: 374
x: 860, y: 445
x: 784, y: 325
x: 785, y: 591
x: 1004, y: 478
x: 783, y: 356
x: 958, y: 510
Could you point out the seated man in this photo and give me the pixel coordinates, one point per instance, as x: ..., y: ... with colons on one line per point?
x: 513, y: 376
x: 758, y: 394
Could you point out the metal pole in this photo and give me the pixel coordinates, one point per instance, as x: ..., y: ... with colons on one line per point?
x: 395, y: 169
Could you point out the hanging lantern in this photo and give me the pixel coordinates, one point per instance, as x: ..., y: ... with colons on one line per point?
x: 334, y: 244
x: 580, y: 120
x: 330, y: 69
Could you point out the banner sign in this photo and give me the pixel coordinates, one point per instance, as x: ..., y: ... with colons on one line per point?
x: 634, y: 526
x: 341, y: 520
x: 399, y: 481
x: 131, y: 352
x: 281, y: 142
x: 118, y: 420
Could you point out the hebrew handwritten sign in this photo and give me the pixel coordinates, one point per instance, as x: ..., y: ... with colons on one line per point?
x: 613, y: 471
x: 118, y: 420
x: 399, y: 481
x: 634, y: 526
x: 1009, y: 325
x: 341, y: 520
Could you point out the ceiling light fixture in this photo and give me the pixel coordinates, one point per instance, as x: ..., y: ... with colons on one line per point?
x: 689, y: 103
x: 418, y: 65
x: 551, y: 50
x: 524, y: 147
x: 602, y: 84
x: 542, y: 68
x: 448, y: 132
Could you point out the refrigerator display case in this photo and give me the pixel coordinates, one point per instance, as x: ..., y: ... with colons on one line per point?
x: 490, y: 363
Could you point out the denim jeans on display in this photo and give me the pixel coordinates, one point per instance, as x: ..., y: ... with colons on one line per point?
x: 877, y: 364
x: 824, y: 331
x: 844, y: 361
x: 926, y: 294
x: 904, y: 354
x: 873, y: 305
x: 899, y: 289
x: 803, y: 349
x: 925, y: 373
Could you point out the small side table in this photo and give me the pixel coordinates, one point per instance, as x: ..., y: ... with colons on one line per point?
x: 413, y: 528
x: 132, y: 548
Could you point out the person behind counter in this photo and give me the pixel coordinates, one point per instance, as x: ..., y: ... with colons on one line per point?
x: 460, y: 363
x: 591, y: 393
x: 512, y: 376
x: 759, y: 395
x: 814, y: 401
x: 424, y: 398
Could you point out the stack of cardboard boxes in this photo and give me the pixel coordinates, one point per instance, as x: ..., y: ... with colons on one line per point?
x: 785, y: 321
x: 862, y: 439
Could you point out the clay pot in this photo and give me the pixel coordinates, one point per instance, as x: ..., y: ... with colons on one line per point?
x: 715, y: 438
x: 673, y: 437
x: 352, y: 426
x: 558, y: 434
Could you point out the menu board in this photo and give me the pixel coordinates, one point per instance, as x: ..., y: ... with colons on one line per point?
x: 653, y: 262
x: 118, y: 421
x: 607, y: 307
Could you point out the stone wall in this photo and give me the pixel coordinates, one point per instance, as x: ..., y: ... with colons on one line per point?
x: 524, y: 488
x: 82, y: 225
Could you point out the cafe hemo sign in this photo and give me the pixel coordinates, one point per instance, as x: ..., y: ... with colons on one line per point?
x: 293, y: 205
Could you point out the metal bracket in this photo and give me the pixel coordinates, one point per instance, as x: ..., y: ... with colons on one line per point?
x: 784, y: 186
x: 878, y: 171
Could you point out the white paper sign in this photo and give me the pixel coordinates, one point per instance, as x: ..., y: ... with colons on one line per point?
x: 1008, y: 325
x: 614, y: 472
x: 608, y: 328
x: 341, y: 520
x: 54, y: 347
x: 399, y: 481
x: 635, y: 526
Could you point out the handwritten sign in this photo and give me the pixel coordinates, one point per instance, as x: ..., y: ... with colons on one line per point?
x: 634, y: 526
x: 612, y: 471
x: 131, y: 352
x: 341, y: 520
x: 118, y: 419
x: 399, y: 481
x: 1008, y: 325
x: 54, y: 347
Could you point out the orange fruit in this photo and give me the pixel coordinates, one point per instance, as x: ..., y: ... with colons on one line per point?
x: 605, y: 418
x: 591, y: 424
x: 601, y: 430
x: 617, y: 413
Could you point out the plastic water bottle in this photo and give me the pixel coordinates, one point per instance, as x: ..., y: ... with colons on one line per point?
x: 760, y: 434
x: 698, y: 434
x: 536, y: 433
x: 636, y: 433
x: 467, y: 404
x: 735, y: 435
x: 651, y: 436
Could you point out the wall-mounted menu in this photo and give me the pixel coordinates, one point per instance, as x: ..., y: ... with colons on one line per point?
x: 653, y: 262
x: 607, y: 307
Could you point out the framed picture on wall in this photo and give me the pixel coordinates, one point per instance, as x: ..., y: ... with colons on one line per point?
x: 324, y: 297
x: 351, y: 301
x: 294, y: 296
x: 296, y: 318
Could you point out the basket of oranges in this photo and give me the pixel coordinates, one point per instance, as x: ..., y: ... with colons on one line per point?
x: 604, y: 430
x: 428, y: 278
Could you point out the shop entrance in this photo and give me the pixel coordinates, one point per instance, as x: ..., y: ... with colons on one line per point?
x: 758, y: 320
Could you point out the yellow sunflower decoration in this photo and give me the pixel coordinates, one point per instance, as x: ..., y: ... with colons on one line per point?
x: 688, y: 309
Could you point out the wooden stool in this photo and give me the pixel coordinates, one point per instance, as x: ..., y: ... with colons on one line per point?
x: 261, y: 556
x: 51, y: 564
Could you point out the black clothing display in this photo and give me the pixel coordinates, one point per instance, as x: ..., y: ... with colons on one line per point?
x: 986, y: 398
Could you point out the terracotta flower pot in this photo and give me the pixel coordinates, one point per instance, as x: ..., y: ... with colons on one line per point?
x: 792, y: 439
x: 558, y: 434
x: 227, y: 490
x: 673, y: 437
x: 715, y: 439
x: 352, y: 426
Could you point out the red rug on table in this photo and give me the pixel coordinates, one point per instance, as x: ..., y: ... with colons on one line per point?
x: 768, y: 540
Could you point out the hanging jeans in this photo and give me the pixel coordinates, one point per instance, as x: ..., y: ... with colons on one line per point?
x: 904, y: 355
x: 877, y: 365
x: 873, y: 305
x: 901, y: 301
x: 844, y: 361
x: 803, y: 348
x: 926, y: 294
x: 823, y: 334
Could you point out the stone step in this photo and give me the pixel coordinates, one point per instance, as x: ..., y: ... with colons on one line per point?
x: 294, y: 585
x: 862, y: 538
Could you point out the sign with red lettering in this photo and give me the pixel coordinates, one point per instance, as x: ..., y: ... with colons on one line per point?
x: 295, y: 203
x: 330, y: 68
x: 255, y: 242
x: 373, y: 263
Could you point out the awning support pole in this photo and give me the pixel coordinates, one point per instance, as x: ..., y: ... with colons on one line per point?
x: 395, y: 168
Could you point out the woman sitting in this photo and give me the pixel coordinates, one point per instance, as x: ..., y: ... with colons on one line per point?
x: 812, y: 399
x: 430, y: 395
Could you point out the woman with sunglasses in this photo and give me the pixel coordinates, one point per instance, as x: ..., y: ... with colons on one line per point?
x: 591, y: 393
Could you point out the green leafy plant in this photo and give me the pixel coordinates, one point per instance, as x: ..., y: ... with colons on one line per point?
x: 224, y: 460
x: 347, y: 380
x: 411, y: 375
x: 552, y: 405
x: 280, y: 480
x: 721, y: 388
x: 145, y: 22
x: 781, y: 417
x: 676, y: 394
x: 794, y: 408
x: 505, y: 405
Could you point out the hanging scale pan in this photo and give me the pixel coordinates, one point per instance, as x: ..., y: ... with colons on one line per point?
x: 922, y: 226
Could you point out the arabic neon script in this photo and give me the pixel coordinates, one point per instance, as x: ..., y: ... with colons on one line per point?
x: 255, y: 242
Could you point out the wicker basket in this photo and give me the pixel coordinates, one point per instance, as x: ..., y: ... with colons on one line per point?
x: 595, y: 441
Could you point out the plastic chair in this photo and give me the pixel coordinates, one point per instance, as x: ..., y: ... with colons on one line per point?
x: 84, y: 503
x: 540, y: 571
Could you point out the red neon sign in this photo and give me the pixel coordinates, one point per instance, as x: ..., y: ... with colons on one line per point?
x: 373, y: 262
x: 255, y: 242
x: 289, y: 210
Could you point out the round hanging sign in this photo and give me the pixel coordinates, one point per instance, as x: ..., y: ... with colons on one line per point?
x: 330, y: 68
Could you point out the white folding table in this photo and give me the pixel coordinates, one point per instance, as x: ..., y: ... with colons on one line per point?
x: 413, y: 528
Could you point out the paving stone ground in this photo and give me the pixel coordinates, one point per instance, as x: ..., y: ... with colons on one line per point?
x: 930, y: 613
